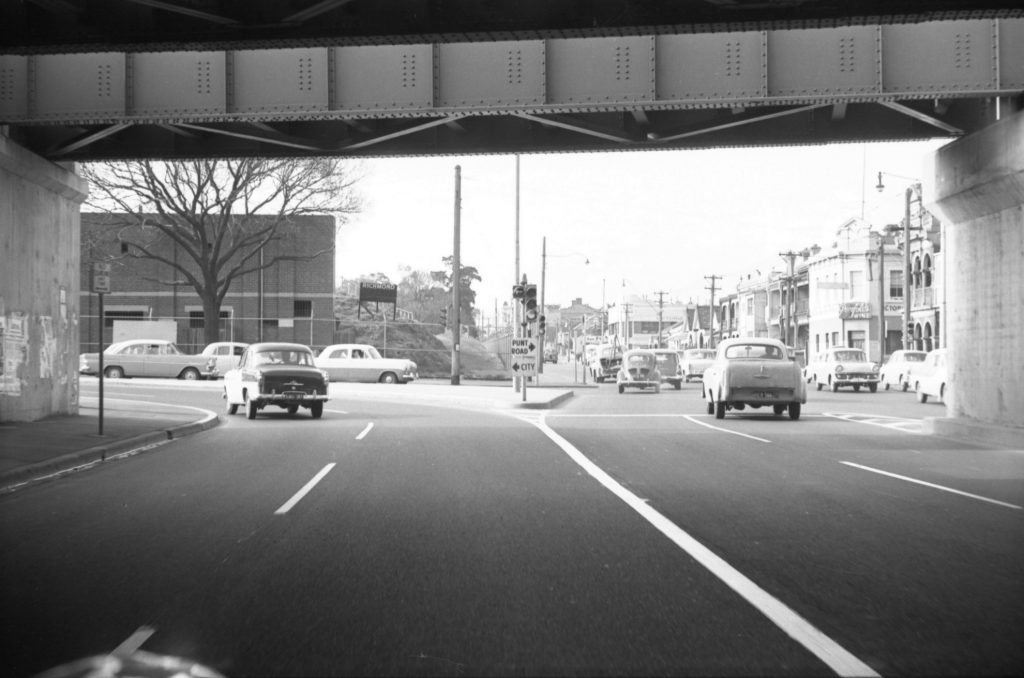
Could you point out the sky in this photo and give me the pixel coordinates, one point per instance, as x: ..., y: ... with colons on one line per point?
x: 647, y: 221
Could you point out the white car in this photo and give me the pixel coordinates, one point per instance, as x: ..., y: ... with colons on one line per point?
x: 694, y: 361
x: 840, y: 366
x: 362, y: 362
x: 226, y: 353
x: 931, y: 377
x: 896, y: 368
x: 754, y: 372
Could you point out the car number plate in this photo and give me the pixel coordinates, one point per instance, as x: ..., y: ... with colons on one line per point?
x: 764, y: 395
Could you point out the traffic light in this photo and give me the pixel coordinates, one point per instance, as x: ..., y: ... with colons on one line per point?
x: 518, y: 291
x: 540, y: 325
x: 444, y: 317
x: 530, y: 299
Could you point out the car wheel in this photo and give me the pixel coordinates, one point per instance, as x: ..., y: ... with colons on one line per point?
x: 292, y: 409
x: 778, y: 409
x: 819, y: 383
x: 113, y: 373
x: 229, y: 406
x: 794, y: 411
x: 720, y: 410
x: 887, y: 386
x: 922, y: 397
x: 942, y: 393
x: 317, y: 409
x: 904, y: 386
x: 833, y: 385
x: 622, y: 389
x: 189, y: 374
x: 388, y: 378
x: 711, y: 407
x: 873, y: 388
x: 250, y: 408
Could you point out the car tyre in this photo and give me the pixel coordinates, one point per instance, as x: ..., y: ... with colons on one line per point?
x: 229, y: 406
x: 904, y: 386
x: 622, y: 389
x: 389, y: 378
x: 189, y: 374
x: 819, y: 384
x: 834, y: 385
x: 317, y: 409
x: 922, y: 397
x: 113, y: 372
x: 794, y: 411
x: 886, y: 387
x: 250, y: 407
x: 873, y: 388
x: 711, y: 407
x: 720, y: 410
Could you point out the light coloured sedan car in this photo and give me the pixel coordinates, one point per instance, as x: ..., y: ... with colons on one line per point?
x: 896, y: 368
x: 931, y: 377
x: 839, y: 366
x: 147, y: 358
x: 694, y: 361
x: 362, y: 362
x: 639, y: 369
x: 669, y: 367
x: 279, y: 374
x: 226, y: 354
x: 754, y: 372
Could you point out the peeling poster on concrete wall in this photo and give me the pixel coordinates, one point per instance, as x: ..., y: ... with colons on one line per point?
x: 15, y: 353
x: 47, y: 347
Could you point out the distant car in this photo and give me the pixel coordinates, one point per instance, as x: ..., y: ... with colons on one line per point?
x: 931, y: 377
x: 669, y: 366
x: 754, y: 372
x: 362, y: 362
x: 897, y: 366
x: 147, y: 358
x: 606, y: 362
x: 279, y: 374
x: 551, y: 354
x: 694, y: 361
x: 839, y: 366
x: 226, y: 354
x: 638, y: 369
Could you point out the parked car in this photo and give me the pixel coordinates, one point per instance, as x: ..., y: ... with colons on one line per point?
x: 839, y: 366
x: 550, y: 353
x: 896, y: 368
x: 226, y: 354
x: 694, y: 361
x: 147, y: 358
x: 931, y: 377
x: 638, y: 369
x: 669, y: 366
x: 274, y: 373
x: 362, y: 362
x: 754, y: 373
x: 606, y: 362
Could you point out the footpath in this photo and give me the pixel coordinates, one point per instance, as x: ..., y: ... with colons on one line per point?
x: 32, y: 451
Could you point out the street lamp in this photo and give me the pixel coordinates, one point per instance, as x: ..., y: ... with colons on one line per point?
x: 914, y: 187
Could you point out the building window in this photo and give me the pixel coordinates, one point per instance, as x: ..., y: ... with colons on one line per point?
x: 303, y: 308
x: 858, y: 339
x: 750, y: 305
x: 856, y: 284
x: 896, y: 284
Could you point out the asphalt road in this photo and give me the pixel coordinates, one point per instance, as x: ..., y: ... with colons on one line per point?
x: 616, y: 535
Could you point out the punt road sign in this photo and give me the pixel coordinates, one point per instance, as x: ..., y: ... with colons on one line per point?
x: 524, y: 356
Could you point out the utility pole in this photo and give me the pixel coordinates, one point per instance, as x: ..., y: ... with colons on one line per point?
x: 787, y: 316
x: 456, y: 279
x: 661, y: 310
x: 712, y: 278
x: 625, y: 330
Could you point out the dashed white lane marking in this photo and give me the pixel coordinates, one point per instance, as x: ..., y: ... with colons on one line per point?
x: 824, y: 648
x: 369, y: 427
x: 725, y: 430
x: 932, y: 485
x: 288, y: 505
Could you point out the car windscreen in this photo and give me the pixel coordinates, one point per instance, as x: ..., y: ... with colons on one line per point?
x: 850, y: 356
x: 284, y: 357
x: 758, y: 351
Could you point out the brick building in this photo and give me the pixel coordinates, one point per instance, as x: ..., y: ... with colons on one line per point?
x: 289, y: 301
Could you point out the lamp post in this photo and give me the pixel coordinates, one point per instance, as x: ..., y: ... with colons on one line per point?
x: 914, y: 187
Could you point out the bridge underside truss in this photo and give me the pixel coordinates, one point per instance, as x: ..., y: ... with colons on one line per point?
x: 640, y: 91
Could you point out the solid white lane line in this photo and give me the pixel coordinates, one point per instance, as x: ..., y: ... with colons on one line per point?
x: 287, y: 506
x: 725, y: 430
x: 932, y: 485
x: 369, y: 427
x: 799, y: 629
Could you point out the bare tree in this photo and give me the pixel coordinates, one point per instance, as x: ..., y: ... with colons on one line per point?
x: 219, y: 213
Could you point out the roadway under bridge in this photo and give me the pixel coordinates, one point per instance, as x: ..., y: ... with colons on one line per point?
x: 88, y: 80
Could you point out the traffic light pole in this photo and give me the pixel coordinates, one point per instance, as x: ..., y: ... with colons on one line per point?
x: 456, y: 280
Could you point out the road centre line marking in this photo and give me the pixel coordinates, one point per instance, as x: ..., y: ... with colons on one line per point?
x: 824, y: 648
x: 932, y: 485
x: 287, y: 506
x: 369, y: 427
x: 725, y: 430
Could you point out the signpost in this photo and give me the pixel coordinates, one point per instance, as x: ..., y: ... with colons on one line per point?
x: 524, y: 357
x: 100, y: 280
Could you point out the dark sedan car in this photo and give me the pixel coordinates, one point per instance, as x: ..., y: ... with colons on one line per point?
x: 277, y: 374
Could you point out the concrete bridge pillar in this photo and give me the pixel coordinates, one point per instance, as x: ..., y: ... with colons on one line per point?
x: 979, y: 193
x: 39, y: 284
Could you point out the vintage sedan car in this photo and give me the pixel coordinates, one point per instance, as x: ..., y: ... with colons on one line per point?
x: 147, y: 358
x: 694, y: 361
x: 838, y: 366
x: 669, y: 366
x: 896, y: 369
x: 639, y: 369
x: 279, y: 374
x: 754, y: 372
x: 226, y: 354
x: 931, y: 377
x: 362, y: 362
x: 606, y: 362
